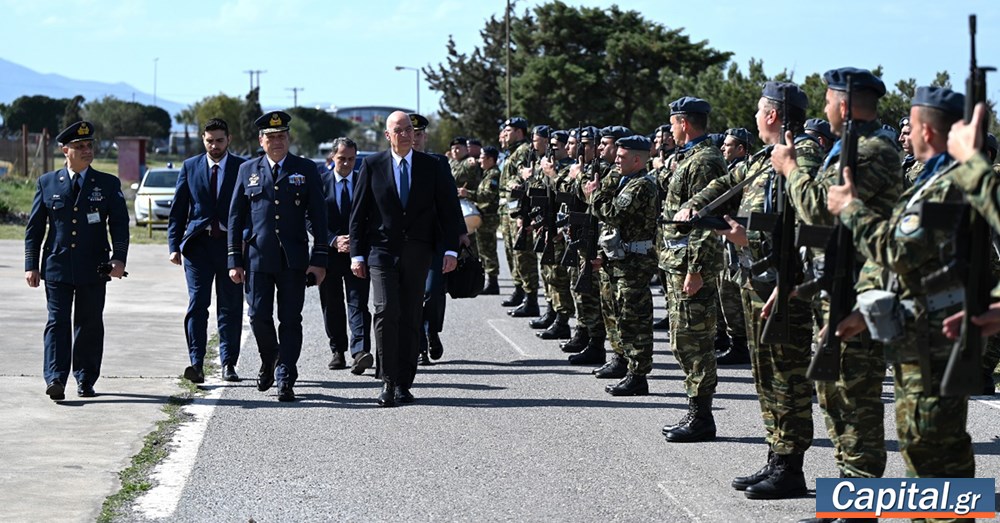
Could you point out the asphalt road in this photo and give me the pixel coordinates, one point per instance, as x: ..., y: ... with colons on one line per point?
x: 503, y: 429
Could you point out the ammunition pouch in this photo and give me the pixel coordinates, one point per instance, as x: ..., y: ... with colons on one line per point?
x: 610, y: 242
x: 884, y: 315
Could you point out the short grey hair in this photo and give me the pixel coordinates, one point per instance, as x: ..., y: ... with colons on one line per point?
x: 346, y: 142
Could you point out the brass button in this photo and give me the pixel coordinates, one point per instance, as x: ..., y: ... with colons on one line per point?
x: 276, y: 231
x: 75, y: 209
x: 275, y: 187
x: 276, y: 202
x: 74, y: 220
x: 277, y: 217
x: 73, y: 233
x: 72, y: 245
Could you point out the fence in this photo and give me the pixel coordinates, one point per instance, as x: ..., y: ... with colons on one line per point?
x: 30, y: 153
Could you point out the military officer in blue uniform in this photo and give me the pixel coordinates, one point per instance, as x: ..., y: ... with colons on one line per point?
x: 197, y: 233
x: 277, y: 198
x: 67, y: 234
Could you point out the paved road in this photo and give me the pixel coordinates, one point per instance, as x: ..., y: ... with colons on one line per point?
x: 502, y: 429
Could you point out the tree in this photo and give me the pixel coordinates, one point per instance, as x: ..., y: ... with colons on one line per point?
x: 568, y: 65
x: 228, y: 108
x: 73, y: 112
x: 114, y: 117
x: 322, y: 126
x: 37, y: 112
x: 251, y: 111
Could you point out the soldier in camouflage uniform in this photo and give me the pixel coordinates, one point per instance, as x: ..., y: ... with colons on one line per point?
x: 819, y: 129
x: 626, y: 205
x: 590, y: 343
x: 852, y: 405
x: 660, y: 170
x: 554, y: 169
x: 521, y: 262
x: 487, y: 199
x: 467, y: 175
x: 911, y: 166
x: 931, y: 428
x: 730, y: 331
x: 527, y: 261
x: 779, y: 370
x: 692, y: 262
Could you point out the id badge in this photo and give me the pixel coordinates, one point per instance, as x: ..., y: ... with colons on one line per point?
x: 93, y: 217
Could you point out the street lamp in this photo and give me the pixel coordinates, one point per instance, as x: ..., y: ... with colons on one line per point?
x: 155, y: 60
x: 415, y: 70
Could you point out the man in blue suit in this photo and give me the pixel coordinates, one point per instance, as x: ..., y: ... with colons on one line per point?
x: 338, y: 187
x: 74, y: 210
x: 277, y: 198
x: 197, y: 233
x: 403, y: 209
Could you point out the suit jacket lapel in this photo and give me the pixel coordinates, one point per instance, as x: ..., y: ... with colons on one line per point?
x: 391, y: 173
x: 228, y: 183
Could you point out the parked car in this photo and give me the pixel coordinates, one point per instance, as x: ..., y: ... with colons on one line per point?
x: 156, y: 191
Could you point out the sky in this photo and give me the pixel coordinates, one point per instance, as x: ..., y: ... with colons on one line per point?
x: 345, y: 53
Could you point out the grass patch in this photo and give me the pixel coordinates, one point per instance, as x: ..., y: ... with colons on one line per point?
x: 16, y: 195
x: 11, y: 232
x: 135, y: 479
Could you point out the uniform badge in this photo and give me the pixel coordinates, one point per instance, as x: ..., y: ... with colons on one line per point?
x: 254, y: 180
x: 623, y: 200
x: 297, y: 179
x: 909, y: 224
x: 96, y: 196
x: 298, y: 202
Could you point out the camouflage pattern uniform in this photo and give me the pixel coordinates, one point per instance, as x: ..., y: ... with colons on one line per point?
x: 692, y: 318
x: 523, y: 264
x: 629, y: 206
x: 779, y: 370
x: 911, y: 169
x: 467, y: 175
x: 930, y: 428
x: 730, y: 301
x: 556, y: 277
x: 852, y: 405
x: 588, y: 304
x: 487, y: 199
x: 662, y: 177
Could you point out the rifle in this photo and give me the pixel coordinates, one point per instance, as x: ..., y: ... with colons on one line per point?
x: 839, y: 273
x: 969, y: 263
x: 715, y: 223
x: 523, y: 212
x: 783, y: 256
x: 588, y: 226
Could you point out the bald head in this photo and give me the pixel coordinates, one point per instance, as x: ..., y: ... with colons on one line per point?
x: 399, y: 132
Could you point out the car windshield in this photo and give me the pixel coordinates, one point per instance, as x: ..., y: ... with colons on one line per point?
x: 161, y: 179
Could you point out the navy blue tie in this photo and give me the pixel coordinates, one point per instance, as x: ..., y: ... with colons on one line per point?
x: 404, y: 182
x: 345, y: 200
x: 77, y: 185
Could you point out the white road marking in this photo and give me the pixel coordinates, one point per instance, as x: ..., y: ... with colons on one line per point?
x: 693, y: 517
x: 510, y: 341
x: 171, y: 475
x: 989, y: 402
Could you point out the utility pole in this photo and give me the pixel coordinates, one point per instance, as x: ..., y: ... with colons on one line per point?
x: 295, y: 94
x: 253, y: 72
x: 507, y: 67
x: 155, y: 61
x: 250, y: 72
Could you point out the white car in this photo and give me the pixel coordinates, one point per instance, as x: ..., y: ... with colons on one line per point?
x: 155, y: 195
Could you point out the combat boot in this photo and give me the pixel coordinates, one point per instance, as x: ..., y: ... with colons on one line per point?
x: 630, y: 385
x: 528, y: 308
x: 662, y: 324
x: 559, y: 330
x: 593, y: 354
x: 543, y: 321
x: 492, y: 287
x: 742, y: 482
x: 615, y: 369
x: 515, y: 299
x: 738, y: 354
x: 701, y: 427
x: 683, y: 421
x: 579, y: 340
x: 786, y: 480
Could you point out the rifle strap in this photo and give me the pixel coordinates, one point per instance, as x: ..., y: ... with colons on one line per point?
x: 734, y: 190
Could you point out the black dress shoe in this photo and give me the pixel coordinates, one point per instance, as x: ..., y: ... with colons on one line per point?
x: 388, y: 396
x: 362, y: 362
x: 436, y: 350
x: 630, y: 385
x: 194, y: 374
x: 424, y: 360
x: 402, y: 395
x: 265, y: 378
x: 85, y: 390
x: 56, y: 390
x: 229, y: 373
x: 337, y: 362
x: 285, y: 392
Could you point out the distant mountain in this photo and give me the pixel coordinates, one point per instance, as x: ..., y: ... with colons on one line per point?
x: 17, y: 80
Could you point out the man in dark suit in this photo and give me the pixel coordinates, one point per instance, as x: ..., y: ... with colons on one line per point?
x: 197, y: 233
x: 402, y: 209
x: 74, y: 210
x: 275, y: 197
x: 338, y: 186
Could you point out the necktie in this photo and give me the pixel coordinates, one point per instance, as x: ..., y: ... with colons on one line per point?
x: 345, y: 200
x: 404, y: 182
x: 214, y: 181
x: 76, y: 186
